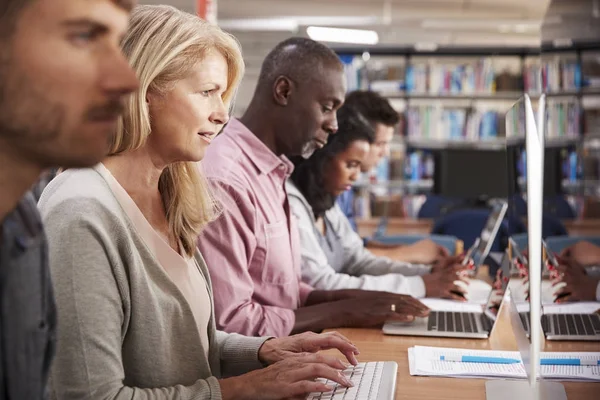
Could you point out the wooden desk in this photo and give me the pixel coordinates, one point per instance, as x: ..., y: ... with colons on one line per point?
x: 584, y: 227
x: 375, y: 346
x: 396, y: 226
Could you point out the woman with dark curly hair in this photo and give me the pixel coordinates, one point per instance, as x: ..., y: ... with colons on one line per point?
x: 333, y: 255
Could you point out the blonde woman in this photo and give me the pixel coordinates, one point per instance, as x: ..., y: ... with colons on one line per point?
x: 134, y: 296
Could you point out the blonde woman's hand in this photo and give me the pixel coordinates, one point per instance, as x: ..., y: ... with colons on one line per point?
x: 279, y: 349
x: 290, y: 378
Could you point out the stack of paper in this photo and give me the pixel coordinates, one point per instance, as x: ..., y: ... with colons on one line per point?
x: 425, y: 361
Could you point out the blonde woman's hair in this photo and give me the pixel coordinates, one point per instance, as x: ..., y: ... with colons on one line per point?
x: 163, y: 44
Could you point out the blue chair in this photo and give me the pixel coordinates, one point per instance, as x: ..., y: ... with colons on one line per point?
x: 467, y: 224
x: 521, y: 239
x: 558, y: 207
x: 435, y: 206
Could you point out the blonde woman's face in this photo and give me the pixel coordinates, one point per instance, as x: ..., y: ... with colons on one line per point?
x: 188, y: 117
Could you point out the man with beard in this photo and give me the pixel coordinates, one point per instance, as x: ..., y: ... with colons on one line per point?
x: 62, y: 80
x: 252, y: 250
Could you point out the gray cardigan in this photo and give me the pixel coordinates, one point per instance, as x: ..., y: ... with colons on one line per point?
x: 350, y: 265
x: 125, y: 331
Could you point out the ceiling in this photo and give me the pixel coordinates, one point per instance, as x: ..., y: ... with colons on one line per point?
x: 260, y: 24
x: 398, y: 22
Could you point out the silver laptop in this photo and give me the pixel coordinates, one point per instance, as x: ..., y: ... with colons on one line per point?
x: 477, y: 325
x: 564, y: 326
x: 481, y: 247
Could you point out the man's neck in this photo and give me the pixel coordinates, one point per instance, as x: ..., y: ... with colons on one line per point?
x: 256, y: 121
x: 17, y: 176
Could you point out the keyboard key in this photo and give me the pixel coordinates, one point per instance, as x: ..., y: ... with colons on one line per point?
x: 579, y: 324
x: 473, y: 323
x: 450, y: 321
x: 459, y: 322
x: 571, y: 328
x: 368, y: 379
x: 467, y: 323
x: 432, y: 321
x: 560, y: 321
x: 442, y: 321
x: 587, y: 324
x: 595, y: 319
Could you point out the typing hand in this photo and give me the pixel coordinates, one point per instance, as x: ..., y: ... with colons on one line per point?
x: 279, y: 349
x: 579, y: 286
x: 440, y: 283
x: 290, y: 378
x: 454, y: 262
x: 584, y: 253
x: 374, y: 310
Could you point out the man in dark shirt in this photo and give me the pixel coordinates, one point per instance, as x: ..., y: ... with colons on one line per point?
x: 62, y: 82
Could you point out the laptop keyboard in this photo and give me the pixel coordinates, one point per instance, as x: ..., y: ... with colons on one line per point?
x: 576, y: 324
x: 567, y: 324
x: 525, y: 320
x: 447, y: 321
x: 372, y: 381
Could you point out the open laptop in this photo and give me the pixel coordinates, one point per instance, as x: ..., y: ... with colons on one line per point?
x: 460, y: 324
x: 480, y: 249
x: 564, y: 326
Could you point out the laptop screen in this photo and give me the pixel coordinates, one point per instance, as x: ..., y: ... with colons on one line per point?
x: 498, y: 288
x: 489, y: 232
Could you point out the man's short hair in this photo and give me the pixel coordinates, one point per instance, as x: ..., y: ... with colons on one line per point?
x: 375, y: 108
x: 300, y: 59
x: 11, y: 9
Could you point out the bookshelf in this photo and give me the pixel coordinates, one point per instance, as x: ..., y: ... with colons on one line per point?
x: 458, y: 97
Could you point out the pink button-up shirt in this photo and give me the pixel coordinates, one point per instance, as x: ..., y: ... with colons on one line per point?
x: 252, y: 250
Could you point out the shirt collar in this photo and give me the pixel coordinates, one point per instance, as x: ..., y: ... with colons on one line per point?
x: 261, y: 156
x: 23, y: 225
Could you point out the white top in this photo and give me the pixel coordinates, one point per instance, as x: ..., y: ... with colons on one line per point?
x: 347, y: 264
x: 183, y: 271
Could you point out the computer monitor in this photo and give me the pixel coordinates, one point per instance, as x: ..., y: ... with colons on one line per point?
x: 469, y: 173
x: 530, y: 348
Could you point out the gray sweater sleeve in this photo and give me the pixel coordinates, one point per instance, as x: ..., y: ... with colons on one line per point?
x: 92, y: 315
x: 239, y: 354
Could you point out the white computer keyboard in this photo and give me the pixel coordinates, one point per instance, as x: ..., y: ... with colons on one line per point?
x: 372, y: 381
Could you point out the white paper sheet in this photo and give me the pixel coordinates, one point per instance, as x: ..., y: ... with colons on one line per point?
x: 425, y: 361
x: 478, y: 292
x: 582, y: 307
x: 451, y: 305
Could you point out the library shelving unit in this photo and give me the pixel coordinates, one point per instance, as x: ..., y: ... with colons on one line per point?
x: 458, y: 97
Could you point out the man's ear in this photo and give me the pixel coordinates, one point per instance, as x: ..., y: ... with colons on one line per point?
x: 282, y: 90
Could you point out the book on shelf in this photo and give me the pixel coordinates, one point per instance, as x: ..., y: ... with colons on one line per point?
x: 563, y: 119
x: 467, y: 78
x: 561, y: 75
x: 532, y: 76
x: 438, y: 123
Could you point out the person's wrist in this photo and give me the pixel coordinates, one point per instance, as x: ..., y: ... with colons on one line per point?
x: 232, y: 388
x: 427, y: 278
x: 267, y: 352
